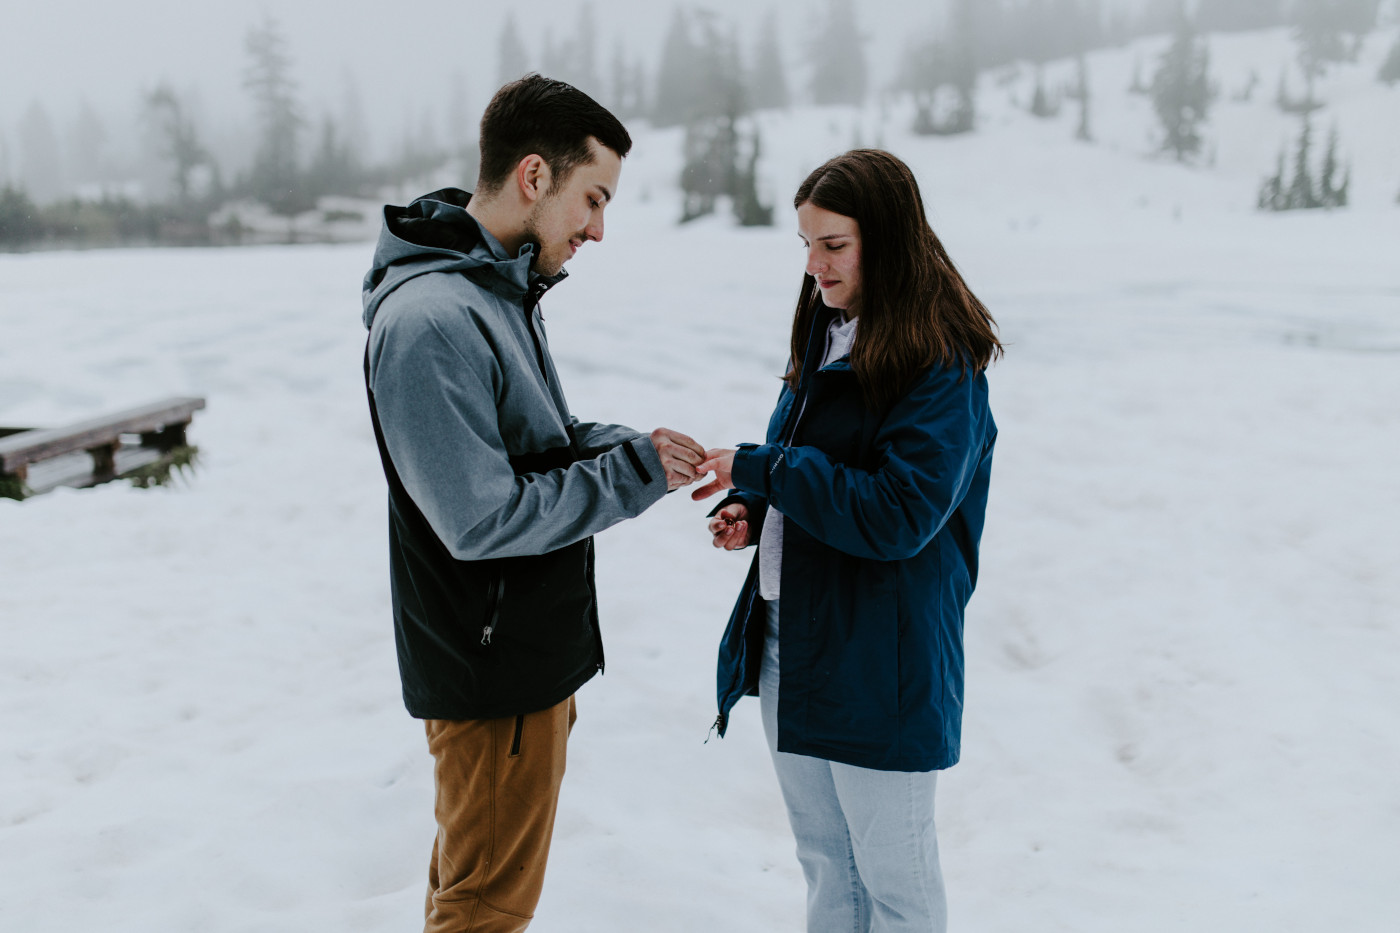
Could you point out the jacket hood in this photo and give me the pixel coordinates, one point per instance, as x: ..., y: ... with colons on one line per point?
x: 436, y: 234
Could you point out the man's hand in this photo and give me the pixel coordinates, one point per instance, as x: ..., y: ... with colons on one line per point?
x: 730, y: 527
x: 720, y: 462
x: 680, y: 456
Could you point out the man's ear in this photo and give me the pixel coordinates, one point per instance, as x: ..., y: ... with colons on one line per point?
x: 533, y: 177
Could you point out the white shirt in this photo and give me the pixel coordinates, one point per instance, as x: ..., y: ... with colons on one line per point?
x: 839, y: 337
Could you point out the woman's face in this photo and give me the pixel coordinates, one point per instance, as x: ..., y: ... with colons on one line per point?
x: 833, y: 255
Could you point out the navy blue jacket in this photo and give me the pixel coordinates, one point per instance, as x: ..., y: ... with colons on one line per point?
x: 883, y: 515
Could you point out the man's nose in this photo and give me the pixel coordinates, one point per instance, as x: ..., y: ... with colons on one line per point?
x: 594, y: 230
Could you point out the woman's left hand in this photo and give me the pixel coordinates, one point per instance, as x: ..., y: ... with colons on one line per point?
x: 721, y: 462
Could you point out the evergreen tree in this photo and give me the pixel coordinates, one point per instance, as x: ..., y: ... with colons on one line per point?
x: 675, y: 81
x: 1318, y: 32
x: 180, y: 143
x: 701, y: 74
x: 769, y: 85
x: 749, y: 209
x: 1357, y: 20
x: 1041, y: 104
x: 620, y: 91
x: 87, y: 138
x: 351, y: 121
x: 584, y: 58
x: 1239, y: 15
x: 1390, y: 69
x: 40, y: 157
x: 276, y: 175
x: 840, y: 73
x: 1082, y: 132
x: 19, y: 218
x: 1333, y: 193
x: 1139, y: 86
x: 511, y: 60
x: 1271, y: 196
x: 334, y: 168
x: 1181, y: 92
x: 1301, y: 194
x: 941, y: 73
x: 963, y: 67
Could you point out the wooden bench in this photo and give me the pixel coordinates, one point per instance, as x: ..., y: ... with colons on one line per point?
x: 35, y: 460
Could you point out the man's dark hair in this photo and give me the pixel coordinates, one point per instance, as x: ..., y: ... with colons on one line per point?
x: 540, y: 116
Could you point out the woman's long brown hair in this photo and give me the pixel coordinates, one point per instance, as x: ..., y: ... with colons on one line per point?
x: 915, y: 309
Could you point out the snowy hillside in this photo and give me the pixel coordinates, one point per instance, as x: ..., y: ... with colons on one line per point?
x: 1182, y: 651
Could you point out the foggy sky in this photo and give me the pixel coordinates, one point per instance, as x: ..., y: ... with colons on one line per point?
x: 403, y: 54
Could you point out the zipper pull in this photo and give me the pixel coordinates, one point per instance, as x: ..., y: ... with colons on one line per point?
x: 486, y: 634
x: 718, y: 725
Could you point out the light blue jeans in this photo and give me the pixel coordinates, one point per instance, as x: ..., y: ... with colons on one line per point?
x: 865, y: 838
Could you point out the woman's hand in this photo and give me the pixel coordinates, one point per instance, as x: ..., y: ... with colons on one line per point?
x: 721, y: 462
x: 730, y: 527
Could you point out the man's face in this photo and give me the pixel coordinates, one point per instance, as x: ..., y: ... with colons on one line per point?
x: 566, y: 217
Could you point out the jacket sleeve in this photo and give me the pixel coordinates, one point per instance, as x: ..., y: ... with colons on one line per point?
x: 928, y: 449
x: 594, y: 439
x: 757, y: 508
x: 436, y: 393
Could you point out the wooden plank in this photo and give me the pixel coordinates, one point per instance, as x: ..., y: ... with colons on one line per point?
x: 33, y: 446
x: 75, y: 469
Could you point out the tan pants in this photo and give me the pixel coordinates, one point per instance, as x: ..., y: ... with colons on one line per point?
x: 497, y: 788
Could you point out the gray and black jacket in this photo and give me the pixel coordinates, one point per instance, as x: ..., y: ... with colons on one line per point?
x: 495, y: 490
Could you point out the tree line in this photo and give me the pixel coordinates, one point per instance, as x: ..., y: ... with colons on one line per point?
x: 711, y: 77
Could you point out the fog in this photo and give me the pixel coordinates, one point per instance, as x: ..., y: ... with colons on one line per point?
x: 403, y: 58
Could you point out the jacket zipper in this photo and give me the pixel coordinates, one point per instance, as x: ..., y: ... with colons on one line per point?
x: 721, y: 719
x: 493, y: 612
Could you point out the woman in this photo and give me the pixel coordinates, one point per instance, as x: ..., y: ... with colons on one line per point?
x: 866, y: 503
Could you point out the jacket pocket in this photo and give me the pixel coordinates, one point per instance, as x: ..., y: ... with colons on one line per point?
x: 519, y: 733
x: 495, y: 594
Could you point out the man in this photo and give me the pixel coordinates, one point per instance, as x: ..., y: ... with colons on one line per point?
x: 495, y: 489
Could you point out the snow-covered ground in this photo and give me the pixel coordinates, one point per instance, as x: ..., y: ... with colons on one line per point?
x: 1182, y: 699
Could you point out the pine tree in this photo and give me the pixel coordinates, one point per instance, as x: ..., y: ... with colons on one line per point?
x: 840, y: 73
x: 462, y: 129
x: 749, y: 209
x: 19, y: 220
x: 769, y: 85
x: 1239, y: 15
x: 1181, y: 92
x: 1357, y: 18
x: 1271, y: 196
x: 40, y: 156
x: 963, y: 68
x: 619, y: 99
x: 1301, y: 194
x: 1390, y: 69
x: 1139, y: 86
x: 180, y: 143
x: 512, y: 62
x: 276, y: 176
x: 1082, y: 133
x: 87, y: 138
x: 584, y: 60
x: 1331, y: 192
x: 1042, y: 105
x: 1318, y: 32
x: 675, y: 81
x: 334, y: 168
